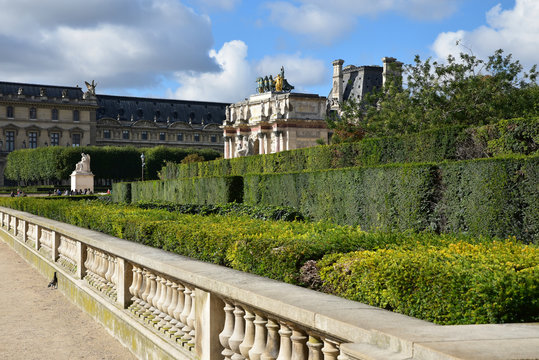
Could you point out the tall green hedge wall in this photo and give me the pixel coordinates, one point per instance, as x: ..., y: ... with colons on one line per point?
x: 494, y: 197
x: 450, y: 143
x: 213, y: 190
x: 117, y: 163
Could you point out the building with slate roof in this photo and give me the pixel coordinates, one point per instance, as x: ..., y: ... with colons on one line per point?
x: 354, y: 82
x: 33, y: 115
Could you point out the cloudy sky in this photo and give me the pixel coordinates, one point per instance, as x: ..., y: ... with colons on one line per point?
x: 214, y: 49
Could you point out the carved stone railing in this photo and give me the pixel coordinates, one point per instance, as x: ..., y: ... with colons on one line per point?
x: 196, y: 310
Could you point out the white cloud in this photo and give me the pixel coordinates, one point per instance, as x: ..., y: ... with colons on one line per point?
x: 236, y: 79
x: 120, y: 43
x: 514, y: 30
x: 220, y: 4
x: 324, y: 21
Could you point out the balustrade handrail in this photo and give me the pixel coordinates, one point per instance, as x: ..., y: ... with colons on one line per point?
x: 164, y: 286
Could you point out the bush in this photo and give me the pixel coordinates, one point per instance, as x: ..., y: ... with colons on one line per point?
x: 457, y: 283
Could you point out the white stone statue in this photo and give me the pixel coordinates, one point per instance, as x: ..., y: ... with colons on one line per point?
x: 83, y: 166
x: 242, y: 149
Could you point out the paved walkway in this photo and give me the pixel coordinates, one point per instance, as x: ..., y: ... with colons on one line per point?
x: 39, y: 323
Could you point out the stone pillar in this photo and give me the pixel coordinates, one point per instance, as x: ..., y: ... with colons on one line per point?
x: 54, y: 245
x: 125, y: 280
x: 81, y: 259
x: 210, y: 320
x: 338, y: 86
x: 38, y: 233
x: 24, y: 230
x: 226, y: 146
x: 277, y: 141
x: 260, y: 143
x: 292, y: 139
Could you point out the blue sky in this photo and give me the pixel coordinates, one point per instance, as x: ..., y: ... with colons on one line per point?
x: 214, y: 49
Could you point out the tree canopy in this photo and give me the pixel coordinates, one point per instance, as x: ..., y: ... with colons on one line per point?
x: 461, y: 91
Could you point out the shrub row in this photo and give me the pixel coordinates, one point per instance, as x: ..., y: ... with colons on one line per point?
x: 504, y: 274
x: 56, y: 163
x: 450, y: 143
x: 212, y: 190
x: 235, y: 209
x: 458, y: 283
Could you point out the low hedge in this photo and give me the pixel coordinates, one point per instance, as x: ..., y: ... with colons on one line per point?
x: 518, y: 136
x: 234, y: 209
x: 458, y: 283
x: 501, y: 276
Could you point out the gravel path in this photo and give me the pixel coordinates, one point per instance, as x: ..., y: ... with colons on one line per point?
x: 39, y: 323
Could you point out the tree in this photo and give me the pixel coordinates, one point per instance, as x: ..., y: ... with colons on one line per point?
x: 463, y: 91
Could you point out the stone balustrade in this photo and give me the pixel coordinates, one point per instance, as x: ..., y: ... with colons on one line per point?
x: 181, y: 308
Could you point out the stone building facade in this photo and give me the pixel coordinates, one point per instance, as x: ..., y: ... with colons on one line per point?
x: 354, y: 82
x: 274, y: 121
x: 33, y: 115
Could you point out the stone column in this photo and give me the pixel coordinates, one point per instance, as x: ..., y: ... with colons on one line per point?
x: 81, y: 259
x: 260, y: 143
x: 226, y: 146
x: 277, y: 140
x: 338, y: 86
x: 209, y: 321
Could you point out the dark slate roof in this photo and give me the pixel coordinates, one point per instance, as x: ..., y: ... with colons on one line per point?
x: 361, y: 80
x: 51, y: 91
x: 111, y: 106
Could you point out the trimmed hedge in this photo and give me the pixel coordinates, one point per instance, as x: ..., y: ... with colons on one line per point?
x: 216, y: 190
x: 496, y: 283
x: 449, y: 143
x: 391, y: 197
x: 458, y: 283
x: 57, y: 163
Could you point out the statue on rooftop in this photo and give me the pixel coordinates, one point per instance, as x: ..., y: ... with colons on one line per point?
x: 268, y: 83
x: 91, y: 89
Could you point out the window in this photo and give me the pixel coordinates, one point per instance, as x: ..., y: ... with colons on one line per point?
x: 162, y: 136
x: 125, y: 134
x: 144, y: 135
x: 32, y: 139
x: 55, y: 139
x: 76, y: 116
x: 213, y: 138
x: 75, y: 140
x: 197, y: 137
x: 180, y: 136
x: 10, y: 140
x: 106, y: 134
x: 9, y: 112
x: 33, y: 113
x: 54, y: 114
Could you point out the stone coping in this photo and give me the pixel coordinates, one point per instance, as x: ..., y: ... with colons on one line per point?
x: 371, y: 330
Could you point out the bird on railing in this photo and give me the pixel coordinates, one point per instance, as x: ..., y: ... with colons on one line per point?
x: 54, y: 282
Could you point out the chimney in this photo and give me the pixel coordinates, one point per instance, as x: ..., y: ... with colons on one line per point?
x: 337, y: 90
x: 392, y: 71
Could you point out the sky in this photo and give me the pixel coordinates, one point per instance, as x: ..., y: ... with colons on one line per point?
x: 213, y: 50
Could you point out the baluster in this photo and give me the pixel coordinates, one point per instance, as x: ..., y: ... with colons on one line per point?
x: 272, y: 344
x: 330, y: 350
x: 167, y: 297
x: 285, y: 347
x: 104, y: 268
x: 299, y: 349
x: 132, y: 288
x: 149, y: 307
x: 88, y: 262
x: 110, y: 269
x: 249, y: 338
x: 157, y: 300
x: 314, y: 345
x: 227, y: 332
x: 145, y: 293
x: 171, y: 306
x: 191, y: 320
x: 238, y: 335
x: 260, y: 338
x: 115, y: 272
x: 185, y: 314
x: 178, y: 310
x: 139, y: 289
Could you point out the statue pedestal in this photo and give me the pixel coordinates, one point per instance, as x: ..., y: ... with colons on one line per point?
x: 82, y: 181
